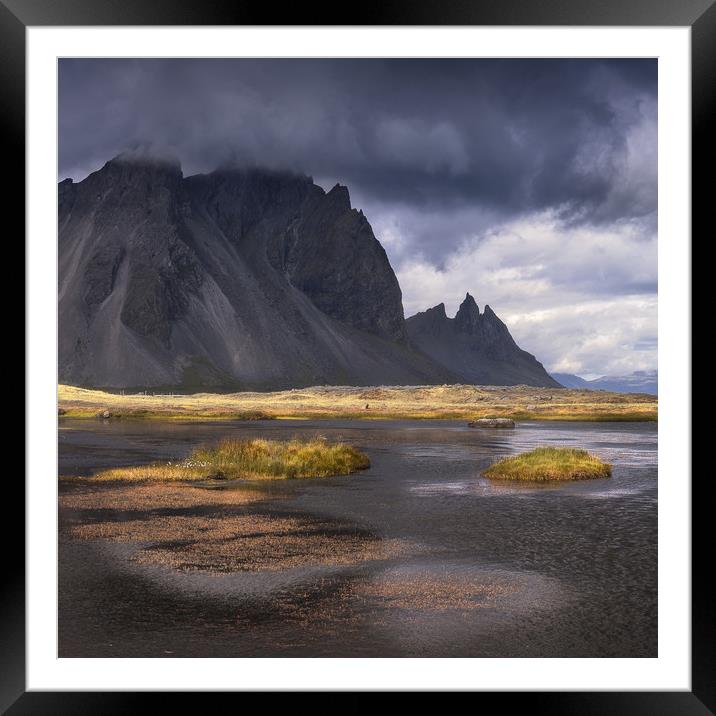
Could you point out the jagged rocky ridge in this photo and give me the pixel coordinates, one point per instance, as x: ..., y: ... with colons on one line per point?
x: 241, y: 278
x: 477, y: 346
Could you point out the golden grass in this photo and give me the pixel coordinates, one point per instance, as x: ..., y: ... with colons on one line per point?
x: 163, y: 472
x: 545, y: 464
x: 438, y: 402
x: 252, y: 459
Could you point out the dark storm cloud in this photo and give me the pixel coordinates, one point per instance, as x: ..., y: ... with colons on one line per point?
x: 508, y: 135
x: 530, y: 183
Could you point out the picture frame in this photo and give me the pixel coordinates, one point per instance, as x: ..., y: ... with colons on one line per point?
x: 699, y: 15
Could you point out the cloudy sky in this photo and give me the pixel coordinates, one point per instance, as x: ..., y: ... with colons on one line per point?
x: 530, y: 183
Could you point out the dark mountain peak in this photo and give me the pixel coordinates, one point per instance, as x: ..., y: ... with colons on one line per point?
x: 239, y: 196
x: 476, y: 346
x: 134, y: 183
x: 494, y: 326
x: 469, y: 301
x: 432, y: 321
x: 435, y: 315
x: 66, y: 191
x: 327, y: 238
x: 134, y: 173
x: 66, y: 188
x: 340, y: 197
x: 467, y: 318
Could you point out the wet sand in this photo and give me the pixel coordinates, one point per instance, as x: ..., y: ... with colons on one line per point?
x: 211, y: 530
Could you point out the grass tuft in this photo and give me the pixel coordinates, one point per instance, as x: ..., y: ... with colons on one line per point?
x: 545, y: 464
x: 252, y: 459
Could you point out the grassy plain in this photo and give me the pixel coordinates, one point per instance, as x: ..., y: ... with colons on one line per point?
x: 449, y: 402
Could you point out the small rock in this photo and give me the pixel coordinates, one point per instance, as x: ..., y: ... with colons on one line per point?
x: 492, y: 423
x: 61, y: 411
x: 106, y: 415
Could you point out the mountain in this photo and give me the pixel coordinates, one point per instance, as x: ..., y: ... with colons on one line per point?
x: 638, y: 382
x: 570, y: 381
x: 237, y: 279
x: 244, y: 278
x: 476, y: 346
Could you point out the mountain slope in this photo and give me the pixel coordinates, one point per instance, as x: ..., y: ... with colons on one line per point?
x: 476, y: 346
x: 228, y: 279
x: 247, y: 279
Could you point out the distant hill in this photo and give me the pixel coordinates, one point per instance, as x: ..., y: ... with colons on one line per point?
x: 567, y: 380
x: 641, y: 381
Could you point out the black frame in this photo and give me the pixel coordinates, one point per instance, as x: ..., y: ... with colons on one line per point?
x: 700, y: 15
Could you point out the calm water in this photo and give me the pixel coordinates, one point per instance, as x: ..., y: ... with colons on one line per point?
x: 582, y: 557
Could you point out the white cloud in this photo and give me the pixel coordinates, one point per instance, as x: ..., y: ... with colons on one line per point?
x: 583, y: 300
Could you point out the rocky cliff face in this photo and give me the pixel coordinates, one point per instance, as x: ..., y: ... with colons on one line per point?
x: 245, y: 279
x: 239, y: 278
x: 477, y: 346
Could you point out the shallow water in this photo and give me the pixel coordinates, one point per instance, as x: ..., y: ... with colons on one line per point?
x: 494, y: 569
